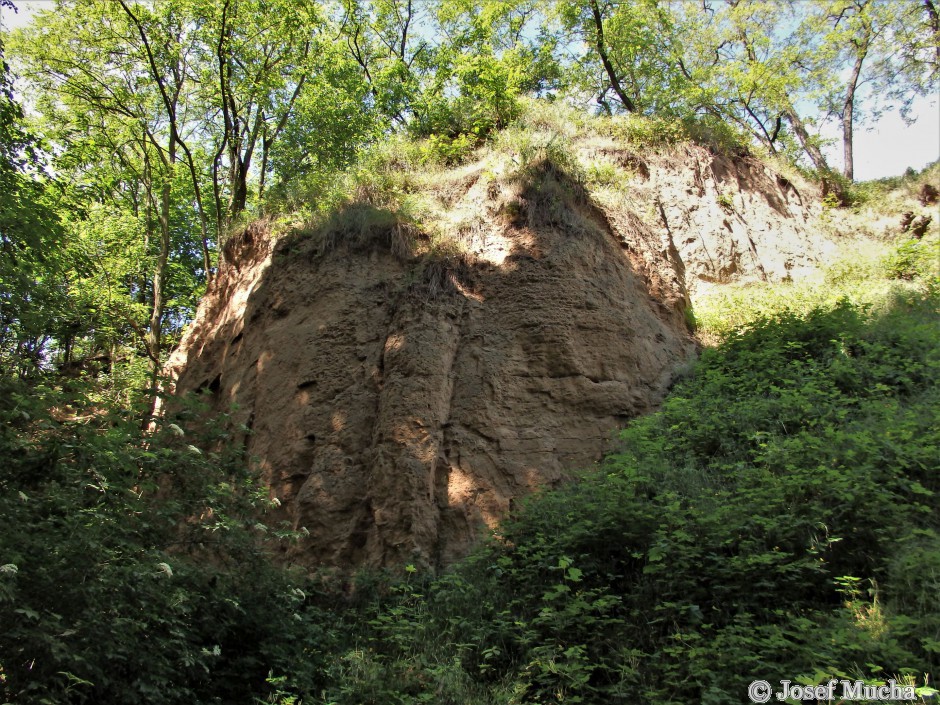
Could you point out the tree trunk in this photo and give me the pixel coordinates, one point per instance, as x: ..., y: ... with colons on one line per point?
x: 239, y: 185
x: 170, y: 103
x: 812, y: 151
x: 830, y: 185
x: 203, y: 224
x: 933, y: 18
x: 849, y: 169
x: 605, y: 59
x: 848, y: 114
x: 155, y: 337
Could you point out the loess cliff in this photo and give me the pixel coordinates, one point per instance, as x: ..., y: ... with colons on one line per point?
x: 405, y: 380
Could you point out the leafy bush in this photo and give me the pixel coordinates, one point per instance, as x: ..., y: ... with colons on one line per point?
x: 778, y: 518
x: 132, y: 569
x: 449, y: 150
x: 913, y: 259
x: 889, y: 193
x: 654, y: 132
x: 866, y: 277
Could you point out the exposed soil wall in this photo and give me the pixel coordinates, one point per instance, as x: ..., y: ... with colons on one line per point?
x: 401, y: 396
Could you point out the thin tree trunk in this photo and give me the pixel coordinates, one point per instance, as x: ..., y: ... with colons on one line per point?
x: 155, y: 334
x: 268, y: 141
x: 203, y: 224
x: 238, y: 182
x: 812, y: 151
x: 830, y: 185
x: 601, y: 47
x: 847, y: 147
x: 155, y: 341
x: 934, y: 20
x: 848, y: 114
x: 170, y: 103
x: 220, y: 220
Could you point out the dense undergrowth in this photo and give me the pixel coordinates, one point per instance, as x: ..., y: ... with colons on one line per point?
x: 876, y: 260
x: 869, y: 276
x: 777, y: 519
x: 131, y: 562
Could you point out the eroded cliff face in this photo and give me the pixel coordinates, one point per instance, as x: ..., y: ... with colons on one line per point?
x: 717, y: 219
x: 401, y: 394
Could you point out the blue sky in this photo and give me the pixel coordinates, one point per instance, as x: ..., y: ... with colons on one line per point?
x: 884, y: 148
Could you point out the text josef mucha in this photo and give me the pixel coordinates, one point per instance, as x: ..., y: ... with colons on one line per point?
x: 835, y: 691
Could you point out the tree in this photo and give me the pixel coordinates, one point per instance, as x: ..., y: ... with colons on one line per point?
x: 92, y: 86
x: 258, y: 57
x: 631, y: 49
x: 491, y: 52
x: 884, y: 50
x: 395, y: 62
x: 95, y: 64
x: 32, y: 297
x: 183, y: 96
x: 169, y: 70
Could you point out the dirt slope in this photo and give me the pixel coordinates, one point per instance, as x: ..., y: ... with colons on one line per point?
x: 403, y: 391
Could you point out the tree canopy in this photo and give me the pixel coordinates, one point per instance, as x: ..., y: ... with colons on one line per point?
x: 163, y: 125
x: 778, y: 516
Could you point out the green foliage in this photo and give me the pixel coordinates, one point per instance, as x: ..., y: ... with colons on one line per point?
x: 494, y: 53
x: 726, y: 202
x: 132, y: 568
x: 655, y: 132
x: 776, y: 519
x: 895, y: 194
x: 530, y: 152
x: 913, y: 259
x: 449, y: 150
x: 791, y: 531
x: 32, y: 264
x: 867, y: 277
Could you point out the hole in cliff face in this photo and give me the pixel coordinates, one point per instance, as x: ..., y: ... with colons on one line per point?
x: 637, y: 165
x: 359, y: 536
x: 212, y: 386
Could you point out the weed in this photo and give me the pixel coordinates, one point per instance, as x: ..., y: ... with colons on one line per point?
x: 866, y: 277
x: 913, y: 259
x: 725, y: 201
x: 601, y: 173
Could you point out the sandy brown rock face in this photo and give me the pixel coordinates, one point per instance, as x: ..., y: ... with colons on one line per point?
x: 718, y: 218
x: 398, y: 404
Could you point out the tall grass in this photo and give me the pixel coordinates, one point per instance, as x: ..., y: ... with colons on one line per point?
x: 871, y: 277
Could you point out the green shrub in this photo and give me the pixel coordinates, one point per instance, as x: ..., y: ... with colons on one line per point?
x: 601, y: 173
x: 652, y: 131
x: 778, y: 518
x: 131, y: 564
x: 913, y: 259
x: 441, y: 149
